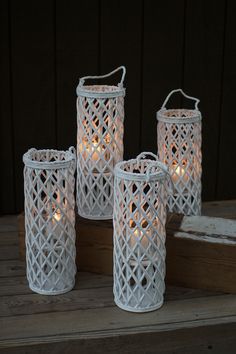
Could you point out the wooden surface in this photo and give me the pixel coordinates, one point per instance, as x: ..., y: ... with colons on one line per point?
x: 164, y: 45
x: 201, y: 251
x: 86, y: 320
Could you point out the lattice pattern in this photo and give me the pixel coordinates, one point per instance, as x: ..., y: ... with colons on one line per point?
x: 139, y: 234
x: 49, y: 220
x: 179, y: 147
x: 100, y: 119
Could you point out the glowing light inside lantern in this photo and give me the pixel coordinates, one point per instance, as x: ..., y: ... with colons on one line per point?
x: 178, y: 172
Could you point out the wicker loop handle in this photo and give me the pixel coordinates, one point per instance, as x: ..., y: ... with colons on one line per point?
x: 162, y: 166
x: 184, y: 94
x: 143, y: 155
x: 164, y: 169
x: 72, y: 151
x: 120, y: 84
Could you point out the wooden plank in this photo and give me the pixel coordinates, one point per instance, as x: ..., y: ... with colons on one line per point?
x: 201, y: 253
x: 32, y: 30
x: 8, y: 223
x: 201, y: 250
x: 11, y: 267
x: 82, y: 297
x: 9, y: 252
x: 8, y: 239
x: 121, y: 44
x: 9, y: 244
x: 77, y: 41
x: 216, y: 339
x: 18, y: 285
x: 224, y: 209
x: 202, y: 78
x: 7, y: 195
x: 93, y: 322
x: 95, y: 246
x: 226, y: 187
x: 162, y: 62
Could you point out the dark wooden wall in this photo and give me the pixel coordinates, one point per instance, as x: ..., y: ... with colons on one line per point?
x: 47, y: 45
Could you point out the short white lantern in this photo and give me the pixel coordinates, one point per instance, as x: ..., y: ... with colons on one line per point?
x: 179, y: 147
x: 49, y: 220
x: 100, y: 120
x: 139, y: 218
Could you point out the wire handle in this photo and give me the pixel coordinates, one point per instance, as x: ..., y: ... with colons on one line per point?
x: 120, y: 84
x: 184, y: 94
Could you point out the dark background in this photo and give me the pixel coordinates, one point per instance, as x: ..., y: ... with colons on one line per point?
x: 47, y: 45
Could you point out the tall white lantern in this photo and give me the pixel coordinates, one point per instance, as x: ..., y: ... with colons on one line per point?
x: 139, y: 233
x: 100, y: 120
x: 179, y: 147
x: 49, y: 220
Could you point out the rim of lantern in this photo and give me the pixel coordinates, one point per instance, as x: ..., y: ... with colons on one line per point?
x: 68, y: 157
x: 134, y: 176
x: 192, y: 116
x: 101, y: 91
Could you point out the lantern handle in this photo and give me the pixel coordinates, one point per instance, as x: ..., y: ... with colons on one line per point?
x: 184, y: 94
x: 143, y: 155
x: 161, y: 165
x: 72, y: 151
x: 120, y: 84
x: 164, y: 168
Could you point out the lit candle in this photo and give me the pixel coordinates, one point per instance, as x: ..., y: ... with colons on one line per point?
x: 139, y: 238
x: 96, y: 151
x: 57, y: 215
x: 178, y: 172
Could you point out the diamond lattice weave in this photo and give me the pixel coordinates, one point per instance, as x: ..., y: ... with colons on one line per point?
x: 49, y: 220
x: 179, y: 147
x: 139, y: 235
x: 99, y: 147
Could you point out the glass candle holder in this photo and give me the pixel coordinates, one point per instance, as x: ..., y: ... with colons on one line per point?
x: 49, y: 220
x: 179, y: 147
x: 100, y: 120
x: 139, y: 233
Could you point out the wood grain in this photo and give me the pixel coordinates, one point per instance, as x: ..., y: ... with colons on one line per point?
x: 200, y: 340
x: 86, y: 319
x: 201, y: 250
x: 90, y: 323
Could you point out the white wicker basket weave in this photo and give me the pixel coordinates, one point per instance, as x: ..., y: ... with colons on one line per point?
x: 100, y: 120
x: 140, y: 197
x: 179, y: 147
x: 49, y: 220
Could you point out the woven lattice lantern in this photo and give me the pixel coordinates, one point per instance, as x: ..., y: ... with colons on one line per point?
x: 139, y: 233
x: 179, y: 147
x: 49, y: 220
x: 100, y: 118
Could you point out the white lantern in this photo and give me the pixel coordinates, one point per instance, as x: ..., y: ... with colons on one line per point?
x: 100, y: 120
x: 49, y: 220
x: 139, y: 233
x: 179, y: 147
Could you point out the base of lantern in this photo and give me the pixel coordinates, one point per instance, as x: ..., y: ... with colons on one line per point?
x: 96, y: 216
x: 52, y: 292
x: 138, y: 310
